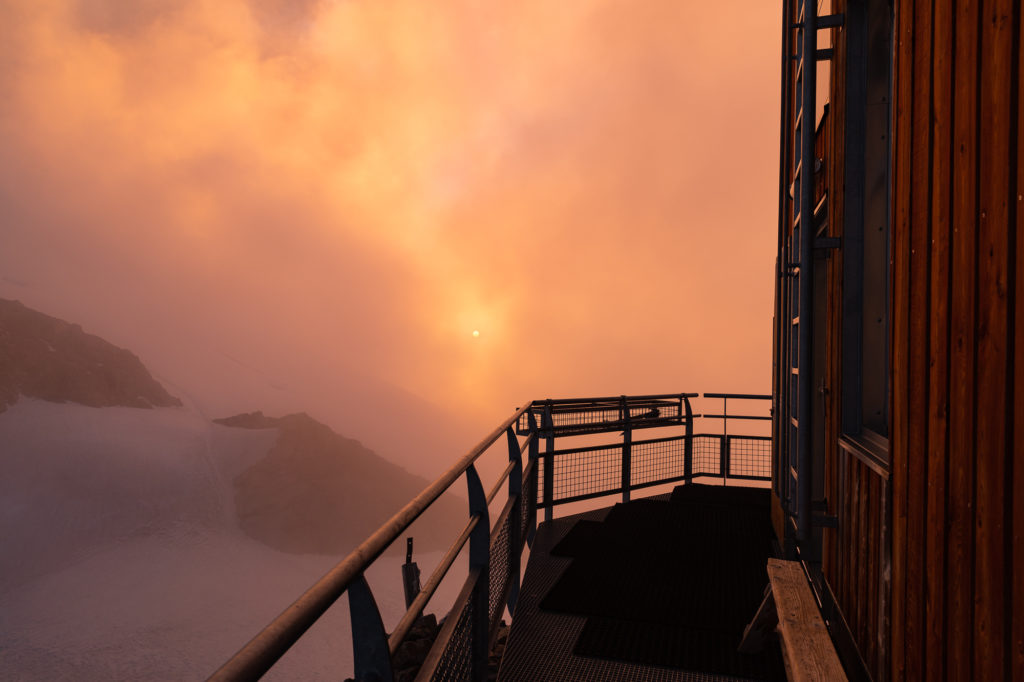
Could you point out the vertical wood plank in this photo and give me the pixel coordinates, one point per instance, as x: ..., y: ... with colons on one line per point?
x: 904, y: 38
x: 1017, y: 433
x: 990, y: 440
x: 960, y: 500
x: 870, y: 595
x: 861, y: 556
x: 916, y: 444
x: 845, y: 527
x: 938, y: 342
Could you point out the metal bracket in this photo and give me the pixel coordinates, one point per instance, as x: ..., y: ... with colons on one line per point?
x: 824, y: 520
x: 535, y: 472
x: 371, y: 658
x: 515, y: 491
x: 761, y: 628
x: 479, y: 538
x: 829, y: 20
x: 479, y: 565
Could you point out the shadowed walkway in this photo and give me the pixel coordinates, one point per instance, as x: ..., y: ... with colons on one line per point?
x: 656, y: 589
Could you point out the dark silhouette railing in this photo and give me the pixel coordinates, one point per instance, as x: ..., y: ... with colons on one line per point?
x: 547, y: 479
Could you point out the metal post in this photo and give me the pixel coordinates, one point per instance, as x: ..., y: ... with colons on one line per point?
x: 531, y: 493
x: 549, y: 462
x: 410, y: 575
x: 371, y: 659
x: 688, y: 443
x: 515, y: 493
x: 725, y: 440
x: 627, y: 448
x: 479, y: 563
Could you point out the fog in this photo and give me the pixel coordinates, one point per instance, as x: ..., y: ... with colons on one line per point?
x: 312, y: 205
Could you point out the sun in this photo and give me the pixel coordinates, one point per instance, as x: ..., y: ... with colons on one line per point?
x: 476, y: 333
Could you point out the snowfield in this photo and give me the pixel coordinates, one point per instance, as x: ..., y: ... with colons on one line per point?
x: 120, y: 557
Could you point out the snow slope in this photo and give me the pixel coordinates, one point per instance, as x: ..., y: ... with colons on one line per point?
x: 121, y: 557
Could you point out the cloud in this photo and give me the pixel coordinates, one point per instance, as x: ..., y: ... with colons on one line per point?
x: 362, y: 184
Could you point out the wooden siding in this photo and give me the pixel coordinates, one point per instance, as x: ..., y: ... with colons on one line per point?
x: 956, y: 606
x: 926, y: 563
x: 956, y: 610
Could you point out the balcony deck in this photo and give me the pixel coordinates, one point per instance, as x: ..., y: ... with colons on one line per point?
x: 654, y: 589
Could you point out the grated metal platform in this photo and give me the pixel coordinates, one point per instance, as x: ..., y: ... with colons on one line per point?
x: 541, y: 643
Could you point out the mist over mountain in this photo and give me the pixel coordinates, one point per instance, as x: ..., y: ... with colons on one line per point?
x: 314, y: 490
x: 295, y: 498
x: 50, y: 359
x: 152, y: 543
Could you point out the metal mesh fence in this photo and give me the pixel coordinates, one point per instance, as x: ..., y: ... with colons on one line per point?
x: 499, y: 564
x: 586, y: 471
x: 657, y: 460
x: 707, y: 455
x: 602, y: 416
x: 750, y: 456
x: 456, y: 661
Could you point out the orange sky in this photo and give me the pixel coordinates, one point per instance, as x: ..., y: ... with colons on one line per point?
x: 333, y: 193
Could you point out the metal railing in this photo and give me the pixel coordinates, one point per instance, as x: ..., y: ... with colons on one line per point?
x: 554, y: 477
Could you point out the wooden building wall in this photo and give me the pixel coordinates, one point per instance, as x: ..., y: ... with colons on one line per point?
x: 957, y: 310
x: 926, y: 562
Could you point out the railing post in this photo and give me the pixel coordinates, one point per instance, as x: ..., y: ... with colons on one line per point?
x: 688, y: 443
x: 627, y: 448
x: 479, y: 563
x: 371, y: 658
x: 726, y: 443
x: 531, y: 499
x: 515, y: 493
x: 549, y: 462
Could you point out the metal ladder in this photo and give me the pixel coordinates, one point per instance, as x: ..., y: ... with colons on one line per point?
x: 797, y: 263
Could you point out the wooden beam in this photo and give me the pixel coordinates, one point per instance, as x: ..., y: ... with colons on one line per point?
x: 806, y: 645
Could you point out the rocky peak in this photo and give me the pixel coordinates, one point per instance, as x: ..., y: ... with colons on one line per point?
x: 49, y: 359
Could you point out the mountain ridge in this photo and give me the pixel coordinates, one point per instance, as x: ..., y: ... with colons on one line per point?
x: 50, y: 359
x: 312, y: 476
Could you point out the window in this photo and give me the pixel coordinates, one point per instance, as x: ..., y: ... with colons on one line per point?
x: 865, y: 361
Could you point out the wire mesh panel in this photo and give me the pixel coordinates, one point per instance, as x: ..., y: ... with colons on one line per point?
x: 707, y: 455
x: 586, y: 471
x: 598, y: 416
x: 499, y: 563
x: 456, y: 661
x: 657, y: 460
x: 542, y: 498
x: 750, y: 456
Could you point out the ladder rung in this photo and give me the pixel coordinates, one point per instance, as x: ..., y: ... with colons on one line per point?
x: 823, y: 55
x: 823, y: 201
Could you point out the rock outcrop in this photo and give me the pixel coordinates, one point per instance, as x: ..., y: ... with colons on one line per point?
x: 50, y: 359
x: 318, y: 492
